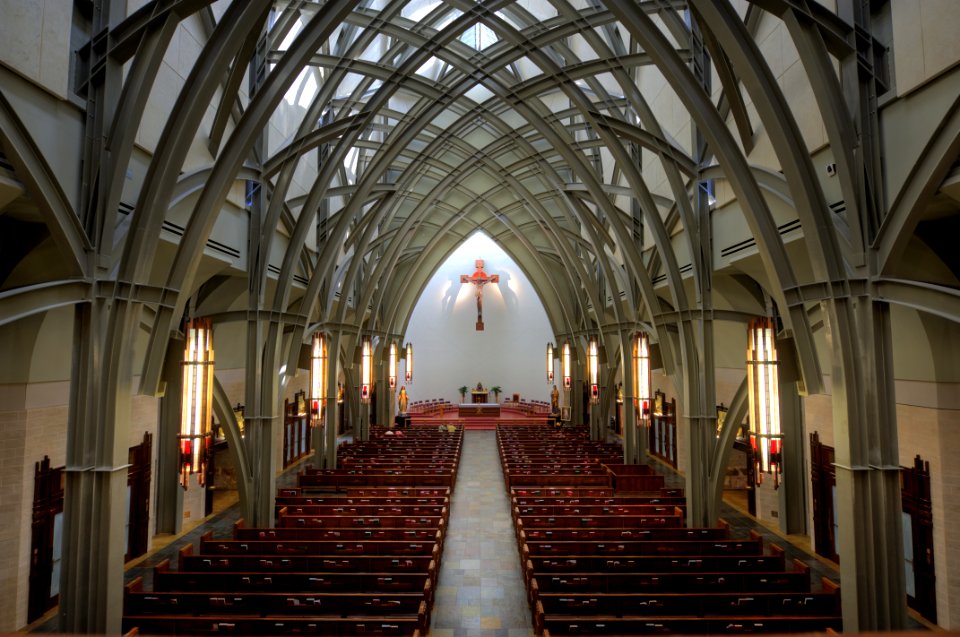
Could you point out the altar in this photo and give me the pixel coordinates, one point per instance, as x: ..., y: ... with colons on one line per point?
x: 483, y: 409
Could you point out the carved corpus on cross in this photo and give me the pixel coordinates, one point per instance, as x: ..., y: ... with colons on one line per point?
x: 479, y: 278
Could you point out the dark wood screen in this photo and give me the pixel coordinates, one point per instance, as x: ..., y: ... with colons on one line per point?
x: 915, y: 495
x: 138, y: 481
x: 296, y: 429
x: 823, y: 479
x: 917, y: 523
x: 663, y: 431
x: 45, y: 543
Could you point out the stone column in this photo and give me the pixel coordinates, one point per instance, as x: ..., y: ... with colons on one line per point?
x: 868, y: 466
x: 169, y: 513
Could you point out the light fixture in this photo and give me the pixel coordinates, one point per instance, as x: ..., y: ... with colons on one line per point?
x: 408, y: 373
x: 392, y: 366
x: 549, y: 363
x: 567, y: 366
x: 764, y: 396
x: 318, y: 379
x: 365, y: 370
x: 641, y: 364
x: 593, y: 369
x: 197, y: 400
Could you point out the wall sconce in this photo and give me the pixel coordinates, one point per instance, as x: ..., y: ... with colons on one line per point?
x: 567, y: 366
x: 408, y: 350
x: 392, y: 366
x: 764, y: 395
x: 593, y: 369
x: 197, y: 400
x: 318, y: 379
x: 549, y: 363
x: 366, y: 368
x: 641, y: 364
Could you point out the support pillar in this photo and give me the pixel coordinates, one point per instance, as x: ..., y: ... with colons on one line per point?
x: 793, y: 490
x: 169, y: 513
x: 91, y: 579
x: 262, y: 417
x: 327, y: 451
x: 700, y: 416
x: 868, y: 467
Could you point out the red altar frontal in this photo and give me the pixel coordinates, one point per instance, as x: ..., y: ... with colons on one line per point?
x: 483, y: 410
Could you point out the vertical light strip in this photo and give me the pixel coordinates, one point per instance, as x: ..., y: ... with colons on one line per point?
x: 567, y: 366
x: 408, y: 373
x: 641, y: 352
x: 764, y: 394
x: 196, y: 399
x: 365, y: 370
x: 549, y: 363
x: 392, y: 366
x: 318, y: 379
x: 593, y: 370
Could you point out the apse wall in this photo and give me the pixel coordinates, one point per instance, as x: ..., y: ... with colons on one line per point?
x: 449, y: 352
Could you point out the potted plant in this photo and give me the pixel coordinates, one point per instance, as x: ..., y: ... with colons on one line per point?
x: 496, y: 389
x: 463, y: 393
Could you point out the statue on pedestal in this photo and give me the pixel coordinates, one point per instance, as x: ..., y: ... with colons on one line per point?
x: 555, y: 401
x: 402, y: 400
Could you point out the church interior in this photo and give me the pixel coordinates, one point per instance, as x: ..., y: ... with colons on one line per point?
x: 489, y: 318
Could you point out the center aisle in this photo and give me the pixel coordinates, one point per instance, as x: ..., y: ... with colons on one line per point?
x: 480, y: 592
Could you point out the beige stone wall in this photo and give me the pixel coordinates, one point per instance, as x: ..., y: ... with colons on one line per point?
x: 13, y: 438
x: 35, y: 40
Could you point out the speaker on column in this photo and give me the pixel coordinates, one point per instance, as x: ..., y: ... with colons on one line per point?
x: 656, y: 357
x: 788, y: 368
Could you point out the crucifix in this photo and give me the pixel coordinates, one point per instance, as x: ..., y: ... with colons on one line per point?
x: 479, y: 278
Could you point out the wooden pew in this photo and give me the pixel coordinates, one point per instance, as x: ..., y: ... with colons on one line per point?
x: 166, y: 580
x: 609, y: 625
x: 339, y: 534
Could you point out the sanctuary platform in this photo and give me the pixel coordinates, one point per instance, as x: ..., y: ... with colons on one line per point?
x: 479, y: 416
x: 488, y: 410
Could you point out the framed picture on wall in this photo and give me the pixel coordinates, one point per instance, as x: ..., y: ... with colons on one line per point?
x: 301, y: 403
x: 658, y: 399
x: 565, y: 414
x: 721, y: 418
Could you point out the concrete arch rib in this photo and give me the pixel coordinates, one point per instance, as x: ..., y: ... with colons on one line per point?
x: 227, y: 165
x: 757, y: 213
x: 58, y: 214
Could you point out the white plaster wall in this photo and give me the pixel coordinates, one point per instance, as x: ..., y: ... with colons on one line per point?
x: 449, y: 352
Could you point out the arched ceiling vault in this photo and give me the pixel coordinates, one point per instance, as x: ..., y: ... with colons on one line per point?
x: 576, y: 133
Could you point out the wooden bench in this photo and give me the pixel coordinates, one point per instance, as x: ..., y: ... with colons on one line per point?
x: 657, y: 564
x: 607, y: 534
x: 587, y: 521
x: 376, y: 510
x: 339, y: 533
x: 381, y: 521
x: 331, y: 625
x: 317, y: 547
x: 609, y: 625
x: 166, y: 580
x: 682, y: 582
x: 645, y: 547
